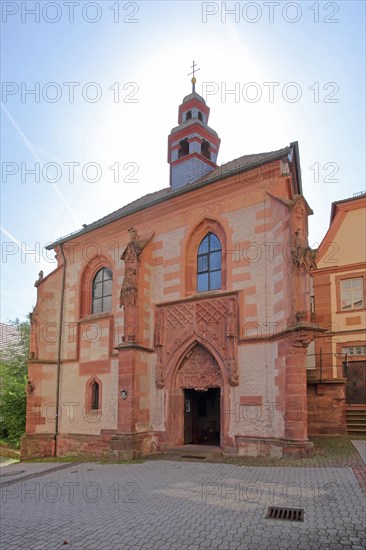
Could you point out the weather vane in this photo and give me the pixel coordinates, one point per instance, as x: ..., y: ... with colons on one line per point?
x: 193, y: 79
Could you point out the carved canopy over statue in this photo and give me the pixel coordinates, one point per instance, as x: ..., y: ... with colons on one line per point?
x: 128, y: 298
x: 212, y: 320
x: 303, y: 260
x: 302, y: 255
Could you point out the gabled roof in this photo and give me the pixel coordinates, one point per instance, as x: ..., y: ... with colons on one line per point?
x: 338, y: 213
x: 335, y: 204
x: 241, y: 164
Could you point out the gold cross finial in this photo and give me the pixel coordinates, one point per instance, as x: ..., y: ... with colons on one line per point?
x: 193, y: 79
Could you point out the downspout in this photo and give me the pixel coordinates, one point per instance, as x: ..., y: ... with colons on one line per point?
x: 59, y: 352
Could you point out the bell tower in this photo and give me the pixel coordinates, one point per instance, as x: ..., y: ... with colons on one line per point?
x: 192, y: 145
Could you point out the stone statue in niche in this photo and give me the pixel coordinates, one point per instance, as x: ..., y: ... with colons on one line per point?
x: 159, y: 335
x: 233, y: 372
x: 40, y: 277
x: 231, y: 332
x: 128, y: 292
x: 34, y: 333
x: 301, y: 316
x: 133, y: 234
x: 128, y: 298
x: 303, y: 255
x: 29, y: 387
x: 231, y: 319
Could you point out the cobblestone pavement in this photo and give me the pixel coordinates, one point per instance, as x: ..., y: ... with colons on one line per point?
x: 182, y: 505
x: 361, y: 448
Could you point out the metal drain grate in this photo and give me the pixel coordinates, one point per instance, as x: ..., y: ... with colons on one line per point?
x: 193, y: 456
x: 289, y: 514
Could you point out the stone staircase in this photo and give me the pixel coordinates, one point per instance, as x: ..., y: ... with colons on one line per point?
x: 356, y: 420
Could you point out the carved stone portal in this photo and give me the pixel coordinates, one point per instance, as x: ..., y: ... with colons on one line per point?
x: 211, y: 320
x: 199, y: 370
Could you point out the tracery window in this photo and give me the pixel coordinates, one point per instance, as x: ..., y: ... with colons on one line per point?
x: 209, y: 263
x: 102, y: 291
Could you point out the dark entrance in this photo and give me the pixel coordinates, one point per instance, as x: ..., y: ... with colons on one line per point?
x: 202, y: 417
x: 355, y: 373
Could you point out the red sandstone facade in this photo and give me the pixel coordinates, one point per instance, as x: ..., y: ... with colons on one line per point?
x: 337, y: 381
x: 131, y: 353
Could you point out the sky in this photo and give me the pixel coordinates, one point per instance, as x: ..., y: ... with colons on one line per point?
x: 90, y: 93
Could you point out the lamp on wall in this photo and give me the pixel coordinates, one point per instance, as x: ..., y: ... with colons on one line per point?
x: 124, y: 394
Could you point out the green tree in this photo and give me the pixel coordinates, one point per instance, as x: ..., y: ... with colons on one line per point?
x: 13, y: 378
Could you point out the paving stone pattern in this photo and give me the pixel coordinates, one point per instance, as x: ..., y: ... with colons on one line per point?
x: 361, y: 448
x: 182, y: 505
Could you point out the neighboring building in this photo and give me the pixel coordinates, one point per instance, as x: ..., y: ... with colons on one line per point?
x: 8, y: 335
x: 183, y: 317
x: 337, y: 383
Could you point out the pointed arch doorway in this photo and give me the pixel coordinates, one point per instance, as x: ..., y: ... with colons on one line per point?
x: 196, y: 400
x: 202, y: 416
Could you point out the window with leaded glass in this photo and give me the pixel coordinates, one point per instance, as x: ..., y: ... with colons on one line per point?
x: 209, y: 264
x: 102, y: 291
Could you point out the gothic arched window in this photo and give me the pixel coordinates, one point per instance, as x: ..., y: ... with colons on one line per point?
x: 183, y: 148
x: 200, y: 117
x: 188, y: 115
x: 209, y: 263
x: 205, y: 149
x: 94, y: 395
x: 102, y: 291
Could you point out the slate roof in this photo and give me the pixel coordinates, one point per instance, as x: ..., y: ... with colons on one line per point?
x: 241, y: 164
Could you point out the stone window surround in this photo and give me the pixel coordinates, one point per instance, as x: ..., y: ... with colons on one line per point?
x: 206, y: 225
x: 88, y: 396
x: 86, y: 285
x: 345, y: 277
x: 103, y: 295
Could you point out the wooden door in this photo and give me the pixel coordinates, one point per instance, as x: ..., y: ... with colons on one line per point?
x: 188, y: 417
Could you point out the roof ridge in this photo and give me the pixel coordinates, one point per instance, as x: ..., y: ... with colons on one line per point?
x: 149, y: 199
x: 257, y: 154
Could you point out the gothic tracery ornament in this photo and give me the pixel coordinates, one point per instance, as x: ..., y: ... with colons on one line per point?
x: 199, y: 370
x: 211, y: 320
x: 302, y: 255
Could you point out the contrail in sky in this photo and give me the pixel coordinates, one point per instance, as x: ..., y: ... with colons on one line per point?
x: 37, y: 159
x: 23, y: 248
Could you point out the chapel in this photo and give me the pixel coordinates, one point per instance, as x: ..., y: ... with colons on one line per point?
x: 182, y: 318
